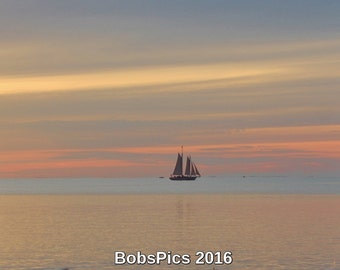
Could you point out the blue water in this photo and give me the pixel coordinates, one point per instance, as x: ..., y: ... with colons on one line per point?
x: 204, y: 185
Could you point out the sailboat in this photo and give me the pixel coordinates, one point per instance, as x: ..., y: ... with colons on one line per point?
x: 191, y: 171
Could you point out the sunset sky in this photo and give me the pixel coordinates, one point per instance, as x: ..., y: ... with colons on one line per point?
x: 114, y: 88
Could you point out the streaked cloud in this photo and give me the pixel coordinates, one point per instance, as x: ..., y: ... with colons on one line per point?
x: 129, y: 78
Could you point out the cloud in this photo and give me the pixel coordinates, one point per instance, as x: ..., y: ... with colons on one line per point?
x: 130, y: 78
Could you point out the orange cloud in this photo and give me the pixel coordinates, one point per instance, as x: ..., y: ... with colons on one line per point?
x: 19, y: 163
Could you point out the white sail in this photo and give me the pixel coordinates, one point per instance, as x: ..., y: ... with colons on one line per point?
x: 179, y: 165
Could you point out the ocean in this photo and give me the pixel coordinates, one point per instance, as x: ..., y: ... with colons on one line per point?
x: 154, y: 223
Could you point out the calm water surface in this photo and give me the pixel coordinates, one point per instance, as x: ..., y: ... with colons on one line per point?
x: 263, y: 231
x: 206, y: 185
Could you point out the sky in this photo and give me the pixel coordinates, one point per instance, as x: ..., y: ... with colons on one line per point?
x: 115, y: 88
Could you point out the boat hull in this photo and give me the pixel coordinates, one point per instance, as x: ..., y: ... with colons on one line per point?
x: 182, y: 178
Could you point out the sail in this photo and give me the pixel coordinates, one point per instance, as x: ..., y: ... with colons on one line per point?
x: 192, y: 169
x: 188, y: 167
x: 195, y: 170
x: 179, y: 164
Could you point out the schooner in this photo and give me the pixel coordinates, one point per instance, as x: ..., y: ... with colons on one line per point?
x: 191, y: 171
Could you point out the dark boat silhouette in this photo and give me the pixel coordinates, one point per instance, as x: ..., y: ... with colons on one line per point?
x: 191, y: 172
